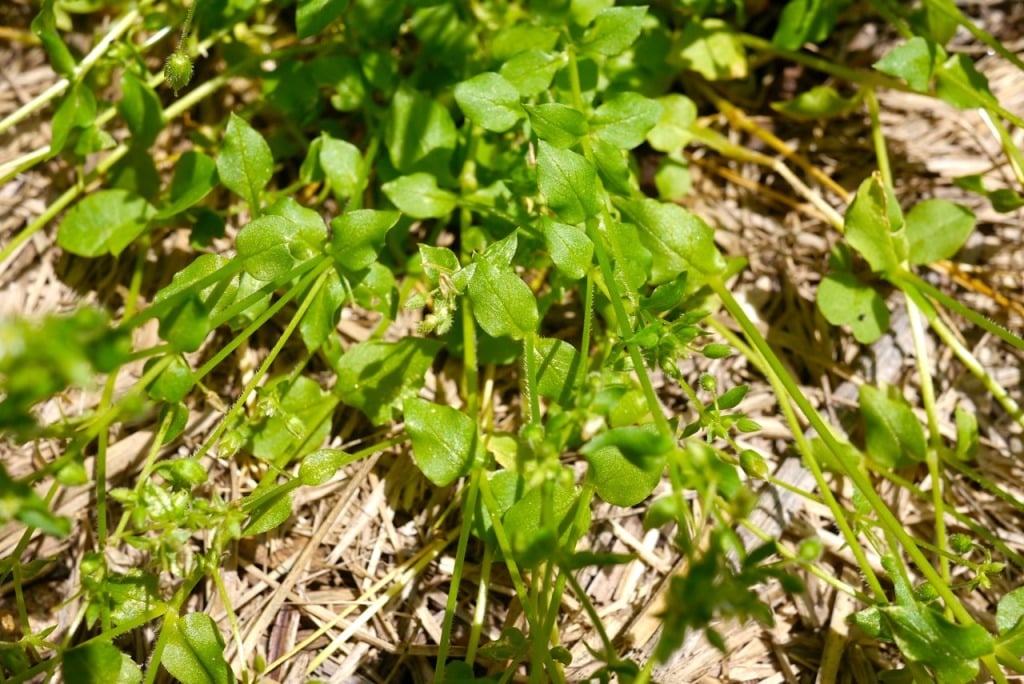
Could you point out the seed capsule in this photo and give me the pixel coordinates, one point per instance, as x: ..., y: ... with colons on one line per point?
x: 178, y: 70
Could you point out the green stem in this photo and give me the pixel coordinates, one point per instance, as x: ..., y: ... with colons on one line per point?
x: 911, y: 282
x: 935, y: 437
x: 118, y: 29
x: 772, y: 369
x: 320, y: 273
x: 888, y: 521
x: 506, y: 550
x: 878, y: 138
x: 868, y: 78
x: 596, y: 236
x: 530, y: 381
x: 460, y: 561
x: 480, y: 608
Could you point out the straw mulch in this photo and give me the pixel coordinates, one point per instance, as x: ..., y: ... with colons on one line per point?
x: 353, y: 588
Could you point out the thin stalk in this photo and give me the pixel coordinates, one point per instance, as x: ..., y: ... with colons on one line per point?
x: 506, y: 549
x: 768, y: 364
x: 480, y: 608
x: 878, y: 138
x: 985, y: 37
x: 118, y: 29
x: 236, y: 632
x: 1000, y: 393
x: 622, y: 319
x: 935, y: 437
x: 889, y: 523
x: 460, y: 561
x: 319, y: 273
x: 530, y: 381
x: 1010, y: 149
x: 588, y: 321
x: 860, y: 76
x: 71, y: 194
x: 911, y: 282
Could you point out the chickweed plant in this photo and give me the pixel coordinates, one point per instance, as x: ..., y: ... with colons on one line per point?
x: 467, y: 177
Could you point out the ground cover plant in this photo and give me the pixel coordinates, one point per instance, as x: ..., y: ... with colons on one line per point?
x: 448, y: 267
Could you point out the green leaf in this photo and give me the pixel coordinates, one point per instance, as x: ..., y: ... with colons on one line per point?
x: 875, y: 227
x: 504, y: 306
x: 557, y: 362
x: 195, y: 651
x: 531, y: 71
x: 619, y: 480
x: 419, y: 134
x: 613, y: 168
x: 641, y: 445
x: 627, y: 463
x: 272, y: 509
x: 937, y: 229
x: 712, y: 49
x: 570, y: 248
x: 245, y: 164
x: 321, y: 465
x: 673, y: 178
x: 437, y: 261
x: 313, y: 16
x: 820, y: 102
x: 44, y: 25
x: 1010, y: 610
x: 296, y: 420
x: 632, y: 258
x: 344, y: 77
x: 174, y: 383
x: 1003, y: 199
x: 845, y: 300
x: 568, y: 182
x: 914, y: 61
x: 959, y: 83
x: 195, y: 175
x: 99, y: 662
x: 1010, y: 622
x: 141, y: 110
x: 188, y: 323
x: 893, y: 434
x: 531, y: 541
x: 77, y: 110
x: 133, y: 596
x: 511, y: 41
x: 323, y: 313
x: 967, y: 441
x: 489, y: 101
x: 105, y: 221
x: 342, y: 164
x: 560, y: 125
x: 677, y: 239
x: 613, y: 31
x: 376, y: 377
x: 624, y: 119
x: 272, y: 245
x: 671, y: 132
x: 806, y: 21
x: 926, y: 636
x: 358, y: 236
x: 418, y: 196
x: 444, y: 440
